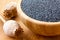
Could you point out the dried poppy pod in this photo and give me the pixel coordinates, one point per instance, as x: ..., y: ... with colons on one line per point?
x: 11, y: 28
x: 10, y: 11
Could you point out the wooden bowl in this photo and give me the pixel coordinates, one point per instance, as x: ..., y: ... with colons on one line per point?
x: 39, y: 27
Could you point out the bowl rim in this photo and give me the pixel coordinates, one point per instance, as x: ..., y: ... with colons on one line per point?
x: 31, y: 19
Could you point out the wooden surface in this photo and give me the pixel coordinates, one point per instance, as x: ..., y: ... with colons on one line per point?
x: 27, y: 35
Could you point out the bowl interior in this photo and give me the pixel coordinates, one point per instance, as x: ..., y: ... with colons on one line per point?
x: 31, y: 19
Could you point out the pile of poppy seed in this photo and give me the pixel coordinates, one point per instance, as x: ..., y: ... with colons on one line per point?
x: 42, y: 10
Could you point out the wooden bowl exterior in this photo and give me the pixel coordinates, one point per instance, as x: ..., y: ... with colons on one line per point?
x: 39, y: 27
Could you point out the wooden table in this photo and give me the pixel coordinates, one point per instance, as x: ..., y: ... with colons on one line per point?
x: 27, y: 35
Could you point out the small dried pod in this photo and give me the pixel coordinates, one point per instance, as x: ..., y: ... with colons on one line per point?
x: 10, y: 11
x: 12, y: 28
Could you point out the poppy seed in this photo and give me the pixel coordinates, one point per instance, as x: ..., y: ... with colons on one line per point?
x: 42, y: 10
